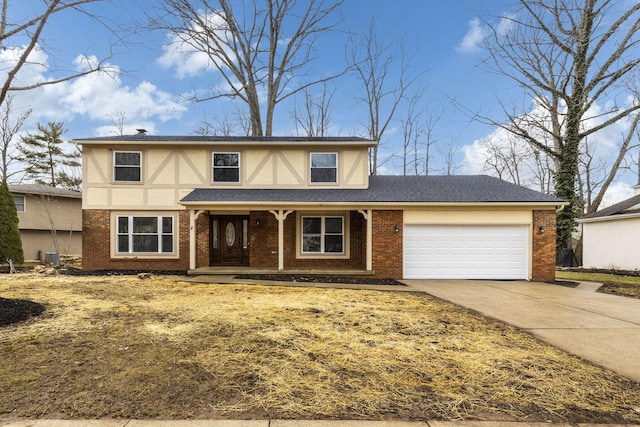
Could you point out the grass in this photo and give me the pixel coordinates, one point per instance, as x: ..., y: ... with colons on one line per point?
x: 123, y: 347
x: 598, y: 277
x: 617, y: 284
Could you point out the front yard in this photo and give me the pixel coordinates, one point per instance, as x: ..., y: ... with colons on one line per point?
x: 124, y: 347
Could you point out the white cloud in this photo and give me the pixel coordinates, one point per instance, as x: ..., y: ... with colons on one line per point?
x: 472, y: 41
x: 96, y: 96
x: 189, y: 61
x: 478, y: 32
x: 604, y: 145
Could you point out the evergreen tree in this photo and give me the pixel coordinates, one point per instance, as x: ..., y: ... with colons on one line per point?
x: 10, y: 242
x: 45, y: 159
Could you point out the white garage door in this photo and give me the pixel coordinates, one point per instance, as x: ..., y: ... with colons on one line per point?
x: 465, y: 252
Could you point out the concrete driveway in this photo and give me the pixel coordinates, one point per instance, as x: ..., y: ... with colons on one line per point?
x: 604, y: 329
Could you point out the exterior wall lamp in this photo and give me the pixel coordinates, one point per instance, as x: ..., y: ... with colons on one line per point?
x: 395, y: 228
x: 257, y: 222
x: 541, y: 229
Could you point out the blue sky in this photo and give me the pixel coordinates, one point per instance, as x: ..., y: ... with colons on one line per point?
x: 445, y: 34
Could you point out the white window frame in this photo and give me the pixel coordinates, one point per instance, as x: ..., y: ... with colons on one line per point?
x: 213, y: 167
x: 130, y: 235
x: 139, y: 166
x: 24, y: 203
x: 311, y: 168
x: 345, y: 254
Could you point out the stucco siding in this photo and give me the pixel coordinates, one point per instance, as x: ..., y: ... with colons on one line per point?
x: 468, y: 216
x: 168, y: 173
x: 611, y: 244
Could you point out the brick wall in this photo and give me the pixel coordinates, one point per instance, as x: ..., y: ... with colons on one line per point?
x: 202, y: 240
x: 356, y: 243
x: 96, y: 253
x: 387, y: 244
x: 263, y: 240
x: 544, y: 246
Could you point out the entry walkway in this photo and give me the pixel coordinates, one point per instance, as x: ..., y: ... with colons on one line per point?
x: 602, y: 328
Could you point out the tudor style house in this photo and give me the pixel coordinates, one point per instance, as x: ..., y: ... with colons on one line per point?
x: 291, y: 204
x: 50, y: 220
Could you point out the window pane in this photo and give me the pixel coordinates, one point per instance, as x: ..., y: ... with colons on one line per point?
x: 225, y: 159
x: 127, y: 173
x: 123, y: 243
x: 131, y: 159
x: 311, y: 225
x: 214, y: 226
x: 323, y: 160
x: 226, y: 175
x: 143, y: 224
x: 333, y: 243
x: 123, y: 224
x: 145, y: 243
x: 19, y: 201
x: 167, y: 243
x: 311, y: 244
x: 333, y: 225
x: 167, y: 224
x: 323, y: 175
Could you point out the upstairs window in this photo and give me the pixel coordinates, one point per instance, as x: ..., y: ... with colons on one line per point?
x: 145, y: 234
x: 226, y: 167
x: 20, y: 203
x: 322, y: 235
x: 324, y: 167
x: 127, y: 166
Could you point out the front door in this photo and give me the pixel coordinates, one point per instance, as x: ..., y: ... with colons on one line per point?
x: 229, y: 240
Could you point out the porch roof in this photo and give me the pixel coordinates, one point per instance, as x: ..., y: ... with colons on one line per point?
x: 385, y: 189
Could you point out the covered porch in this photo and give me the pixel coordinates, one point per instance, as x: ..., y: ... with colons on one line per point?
x: 310, y: 240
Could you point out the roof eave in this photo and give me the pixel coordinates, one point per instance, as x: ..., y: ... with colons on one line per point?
x: 359, y: 205
x: 609, y: 218
x: 253, y: 143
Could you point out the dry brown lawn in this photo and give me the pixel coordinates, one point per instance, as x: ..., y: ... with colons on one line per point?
x: 123, y: 347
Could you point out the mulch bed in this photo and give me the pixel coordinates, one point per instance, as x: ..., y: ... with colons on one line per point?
x: 620, y: 289
x: 18, y: 310
x: 320, y: 279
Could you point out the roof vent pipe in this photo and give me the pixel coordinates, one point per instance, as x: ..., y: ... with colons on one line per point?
x: 142, y: 131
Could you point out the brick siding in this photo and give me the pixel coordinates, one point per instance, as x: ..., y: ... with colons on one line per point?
x: 202, y: 240
x: 387, y: 244
x: 544, y: 246
x: 96, y: 248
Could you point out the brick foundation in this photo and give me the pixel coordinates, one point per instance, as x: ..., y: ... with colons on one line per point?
x: 544, y: 246
x: 96, y: 246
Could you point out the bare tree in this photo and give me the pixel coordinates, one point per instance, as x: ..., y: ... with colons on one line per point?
x: 569, y: 56
x: 24, y: 37
x: 314, y: 117
x: 384, y: 71
x: 9, y: 128
x: 262, y: 49
x: 118, y: 119
x: 412, y: 133
x: 227, y: 125
x: 449, y: 153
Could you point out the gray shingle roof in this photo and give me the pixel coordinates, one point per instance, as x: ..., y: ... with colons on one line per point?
x: 144, y: 138
x: 389, y: 189
x: 44, y: 190
x: 629, y: 206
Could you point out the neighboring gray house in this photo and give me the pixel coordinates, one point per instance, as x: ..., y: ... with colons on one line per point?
x: 42, y: 209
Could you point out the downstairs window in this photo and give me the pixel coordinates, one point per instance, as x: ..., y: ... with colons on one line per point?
x: 145, y: 234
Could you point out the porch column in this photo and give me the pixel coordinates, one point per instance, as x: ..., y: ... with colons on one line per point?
x: 281, y: 215
x: 367, y: 214
x: 193, y: 215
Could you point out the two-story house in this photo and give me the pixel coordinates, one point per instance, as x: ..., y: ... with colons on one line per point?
x: 50, y: 220
x: 302, y: 204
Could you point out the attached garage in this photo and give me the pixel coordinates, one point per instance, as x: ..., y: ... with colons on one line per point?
x: 466, y: 252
